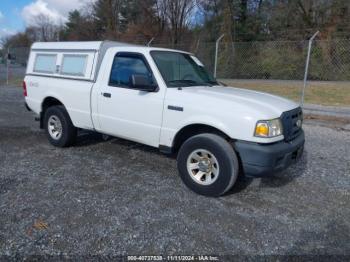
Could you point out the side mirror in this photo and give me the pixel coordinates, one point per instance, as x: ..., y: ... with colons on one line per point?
x: 143, y: 83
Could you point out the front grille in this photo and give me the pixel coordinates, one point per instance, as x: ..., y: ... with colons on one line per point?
x: 289, y: 121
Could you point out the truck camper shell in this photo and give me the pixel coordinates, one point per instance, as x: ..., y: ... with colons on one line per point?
x: 83, y: 59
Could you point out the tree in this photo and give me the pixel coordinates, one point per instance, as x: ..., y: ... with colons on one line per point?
x: 79, y: 27
x: 44, y: 29
x: 174, y: 21
x: 140, y: 22
x: 108, y: 18
x: 177, y: 14
x: 17, y: 40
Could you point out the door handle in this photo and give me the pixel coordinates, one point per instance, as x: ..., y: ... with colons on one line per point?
x: 108, y: 95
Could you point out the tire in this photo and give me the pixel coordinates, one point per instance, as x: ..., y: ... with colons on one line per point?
x: 63, y: 134
x: 217, y: 156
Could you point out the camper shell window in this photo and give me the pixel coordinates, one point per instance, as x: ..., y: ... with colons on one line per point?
x: 45, y: 63
x: 74, y: 65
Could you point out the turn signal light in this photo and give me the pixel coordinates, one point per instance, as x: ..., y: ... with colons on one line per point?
x: 262, y: 130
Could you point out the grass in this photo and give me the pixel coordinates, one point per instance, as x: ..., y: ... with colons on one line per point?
x: 317, y: 92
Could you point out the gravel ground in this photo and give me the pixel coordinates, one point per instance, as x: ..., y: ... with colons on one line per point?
x: 119, y: 197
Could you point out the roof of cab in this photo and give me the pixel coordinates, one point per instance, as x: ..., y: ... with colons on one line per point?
x: 82, y: 45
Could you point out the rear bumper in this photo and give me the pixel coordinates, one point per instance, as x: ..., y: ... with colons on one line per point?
x: 261, y: 160
x: 27, y: 107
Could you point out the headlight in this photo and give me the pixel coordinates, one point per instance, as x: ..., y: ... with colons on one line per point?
x: 268, y: 128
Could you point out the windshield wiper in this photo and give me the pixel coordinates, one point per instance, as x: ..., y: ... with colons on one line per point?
x: 212, y: 82
x: 187, y: 82
x: 184, y: 81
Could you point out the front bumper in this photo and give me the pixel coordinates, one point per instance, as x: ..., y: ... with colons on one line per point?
x: 264, y: 159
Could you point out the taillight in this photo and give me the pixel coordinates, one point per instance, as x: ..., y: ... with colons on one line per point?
x: 24, y: 88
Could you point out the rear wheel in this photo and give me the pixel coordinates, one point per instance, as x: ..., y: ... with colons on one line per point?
x: 207, y: 164
x: 59, y: 127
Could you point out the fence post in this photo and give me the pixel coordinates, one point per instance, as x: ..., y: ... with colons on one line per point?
x: 216, y: 53
x: 150, y: 41
x: 197, y: 45
x: 8, y: 66
x: 307, y: 67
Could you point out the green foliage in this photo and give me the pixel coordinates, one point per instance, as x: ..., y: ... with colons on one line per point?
x: 262, y: 20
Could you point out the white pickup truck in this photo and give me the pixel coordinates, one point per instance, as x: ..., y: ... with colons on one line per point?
x: 166, y: 99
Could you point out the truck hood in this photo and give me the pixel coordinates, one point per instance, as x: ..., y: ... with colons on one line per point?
x: 267, y: 105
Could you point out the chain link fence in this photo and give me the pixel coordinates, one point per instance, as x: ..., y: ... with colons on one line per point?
x: 276, y: 66
x: 274, y: 60
x: 330, y: 60
x: 13, y: 64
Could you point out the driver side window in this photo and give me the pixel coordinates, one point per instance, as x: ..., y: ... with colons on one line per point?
x: 126, y: 65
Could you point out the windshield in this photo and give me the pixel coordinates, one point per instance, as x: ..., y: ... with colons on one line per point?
x: 181, y: 70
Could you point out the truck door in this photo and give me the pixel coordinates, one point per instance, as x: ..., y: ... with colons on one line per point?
x: 128, y: 112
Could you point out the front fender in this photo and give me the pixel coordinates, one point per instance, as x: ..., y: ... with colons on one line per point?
x: 208, y: 121
x: 169, y: 132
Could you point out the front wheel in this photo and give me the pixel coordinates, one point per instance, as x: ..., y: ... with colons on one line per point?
x: 207, y: 164
x: 59, y: 127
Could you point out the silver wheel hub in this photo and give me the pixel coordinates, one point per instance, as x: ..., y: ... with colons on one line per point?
x: 203, y: 167
x: 55, y: 127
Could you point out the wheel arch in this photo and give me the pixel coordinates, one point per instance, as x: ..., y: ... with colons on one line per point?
x: 195, y: 129
x: 48, y: 102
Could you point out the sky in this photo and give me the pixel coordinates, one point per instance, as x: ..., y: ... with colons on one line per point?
x: 15, y: 15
